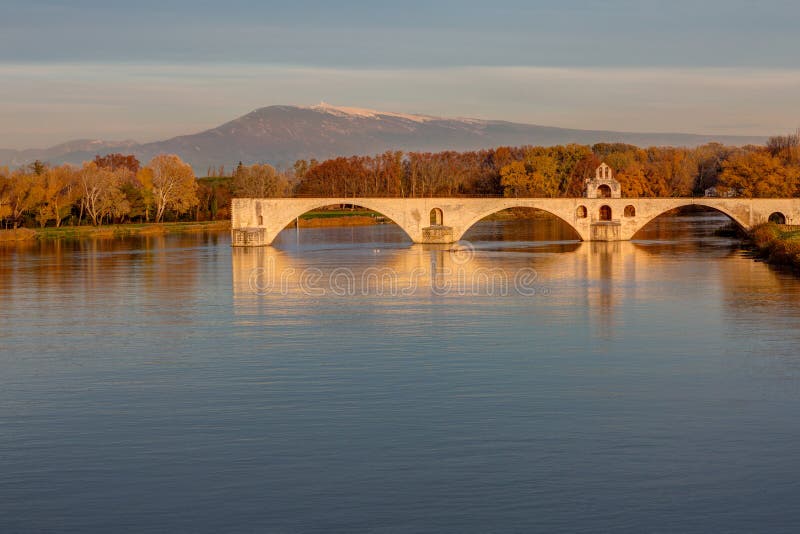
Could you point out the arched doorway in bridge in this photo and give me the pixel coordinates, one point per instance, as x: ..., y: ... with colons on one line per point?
x: 605, y: 213
x: 604, y: 191
x: 437, y: 217
x: 777, y: 218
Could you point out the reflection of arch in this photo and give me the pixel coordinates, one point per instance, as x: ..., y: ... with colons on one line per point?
x: 581, y: 212
x: 630, y: 211
x: 604, y: 191
x: 677, y: 205
x: 437, y: 217
x: 304, y: 208
x: 777, y: 218
x: 498, y: 209
x: 605, y: 212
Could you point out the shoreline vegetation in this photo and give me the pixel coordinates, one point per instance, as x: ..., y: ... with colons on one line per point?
x: 111, y: 231
x: 777, y: 244
x: 322, y: 218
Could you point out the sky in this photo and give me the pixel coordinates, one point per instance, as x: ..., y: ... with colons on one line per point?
x: 148, y: 70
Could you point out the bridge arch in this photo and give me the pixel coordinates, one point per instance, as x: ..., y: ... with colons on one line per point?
x: 486, y: 213
x: 650, y: 217
x: 777, y: 217
x: 313, y: 204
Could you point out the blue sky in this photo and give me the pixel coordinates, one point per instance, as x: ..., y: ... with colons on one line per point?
x: 147, y: 69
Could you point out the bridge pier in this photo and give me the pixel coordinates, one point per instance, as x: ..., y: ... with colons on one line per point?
x: 438, y: 235
x: 606, y: 231
x: 249, y: 237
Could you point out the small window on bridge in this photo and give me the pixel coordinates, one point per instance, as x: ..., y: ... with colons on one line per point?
x: 605, y: 213
x: 630, y: 211
x: 261, y: 220
x: 777, y: 218
x: 437, y: 217
x: 581, y: 212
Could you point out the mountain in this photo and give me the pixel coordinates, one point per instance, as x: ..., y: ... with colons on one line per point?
x: 71, y: 151
x: 281, y: 135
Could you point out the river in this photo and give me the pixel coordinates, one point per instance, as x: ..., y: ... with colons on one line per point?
x: 345, y: 380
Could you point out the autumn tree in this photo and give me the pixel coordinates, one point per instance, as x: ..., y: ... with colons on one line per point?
x: 537, y: 176
x: 259, y: 181
x: 388, y: 173
x: 515, y: 180
x: 5, y: 194
x: 583, y: 170
x: 758, y: 174
x: 24, y: 193
x: 174, y: 185
x: 101, y: 191
x: 709, y: 158
x: 116, y: 161
x: 630, y: 166
x: 58, y: 192
x: 786, y: 147
x: 671, y: 171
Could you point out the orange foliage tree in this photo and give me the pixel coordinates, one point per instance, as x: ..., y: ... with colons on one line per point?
x: 759, y: 174
x: 173, y: 185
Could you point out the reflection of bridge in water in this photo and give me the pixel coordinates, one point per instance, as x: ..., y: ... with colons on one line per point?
x: 614, y: 280
x: 256, y: 222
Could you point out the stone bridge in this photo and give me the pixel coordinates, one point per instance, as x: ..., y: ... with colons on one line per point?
x: 257, y: 221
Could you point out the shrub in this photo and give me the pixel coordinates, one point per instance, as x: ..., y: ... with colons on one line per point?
x: 764, y: 235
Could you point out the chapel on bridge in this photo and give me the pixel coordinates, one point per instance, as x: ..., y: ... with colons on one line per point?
x: 603, y: 185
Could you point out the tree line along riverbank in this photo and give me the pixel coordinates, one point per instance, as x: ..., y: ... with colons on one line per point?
x: 117, y: 188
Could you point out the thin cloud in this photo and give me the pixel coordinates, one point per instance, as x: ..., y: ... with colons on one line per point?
x: 150, y: 101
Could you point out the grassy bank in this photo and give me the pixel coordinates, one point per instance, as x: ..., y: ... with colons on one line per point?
x: 336, y: 214
x: 109, y: 231
x: 777, y: 244
x: 358, y: 217
x: 325, y: 218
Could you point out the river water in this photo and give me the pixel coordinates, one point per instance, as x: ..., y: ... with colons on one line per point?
x: 345, y: 380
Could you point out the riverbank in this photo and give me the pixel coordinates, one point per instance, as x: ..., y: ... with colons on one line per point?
x: 330, y: 218
x: 21, y: 235
x: 777, y: 244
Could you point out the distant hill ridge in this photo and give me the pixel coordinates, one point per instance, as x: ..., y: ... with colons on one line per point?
x: 280, y: 135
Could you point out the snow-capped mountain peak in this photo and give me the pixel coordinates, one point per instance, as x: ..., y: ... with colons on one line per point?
x: 343, y: 111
